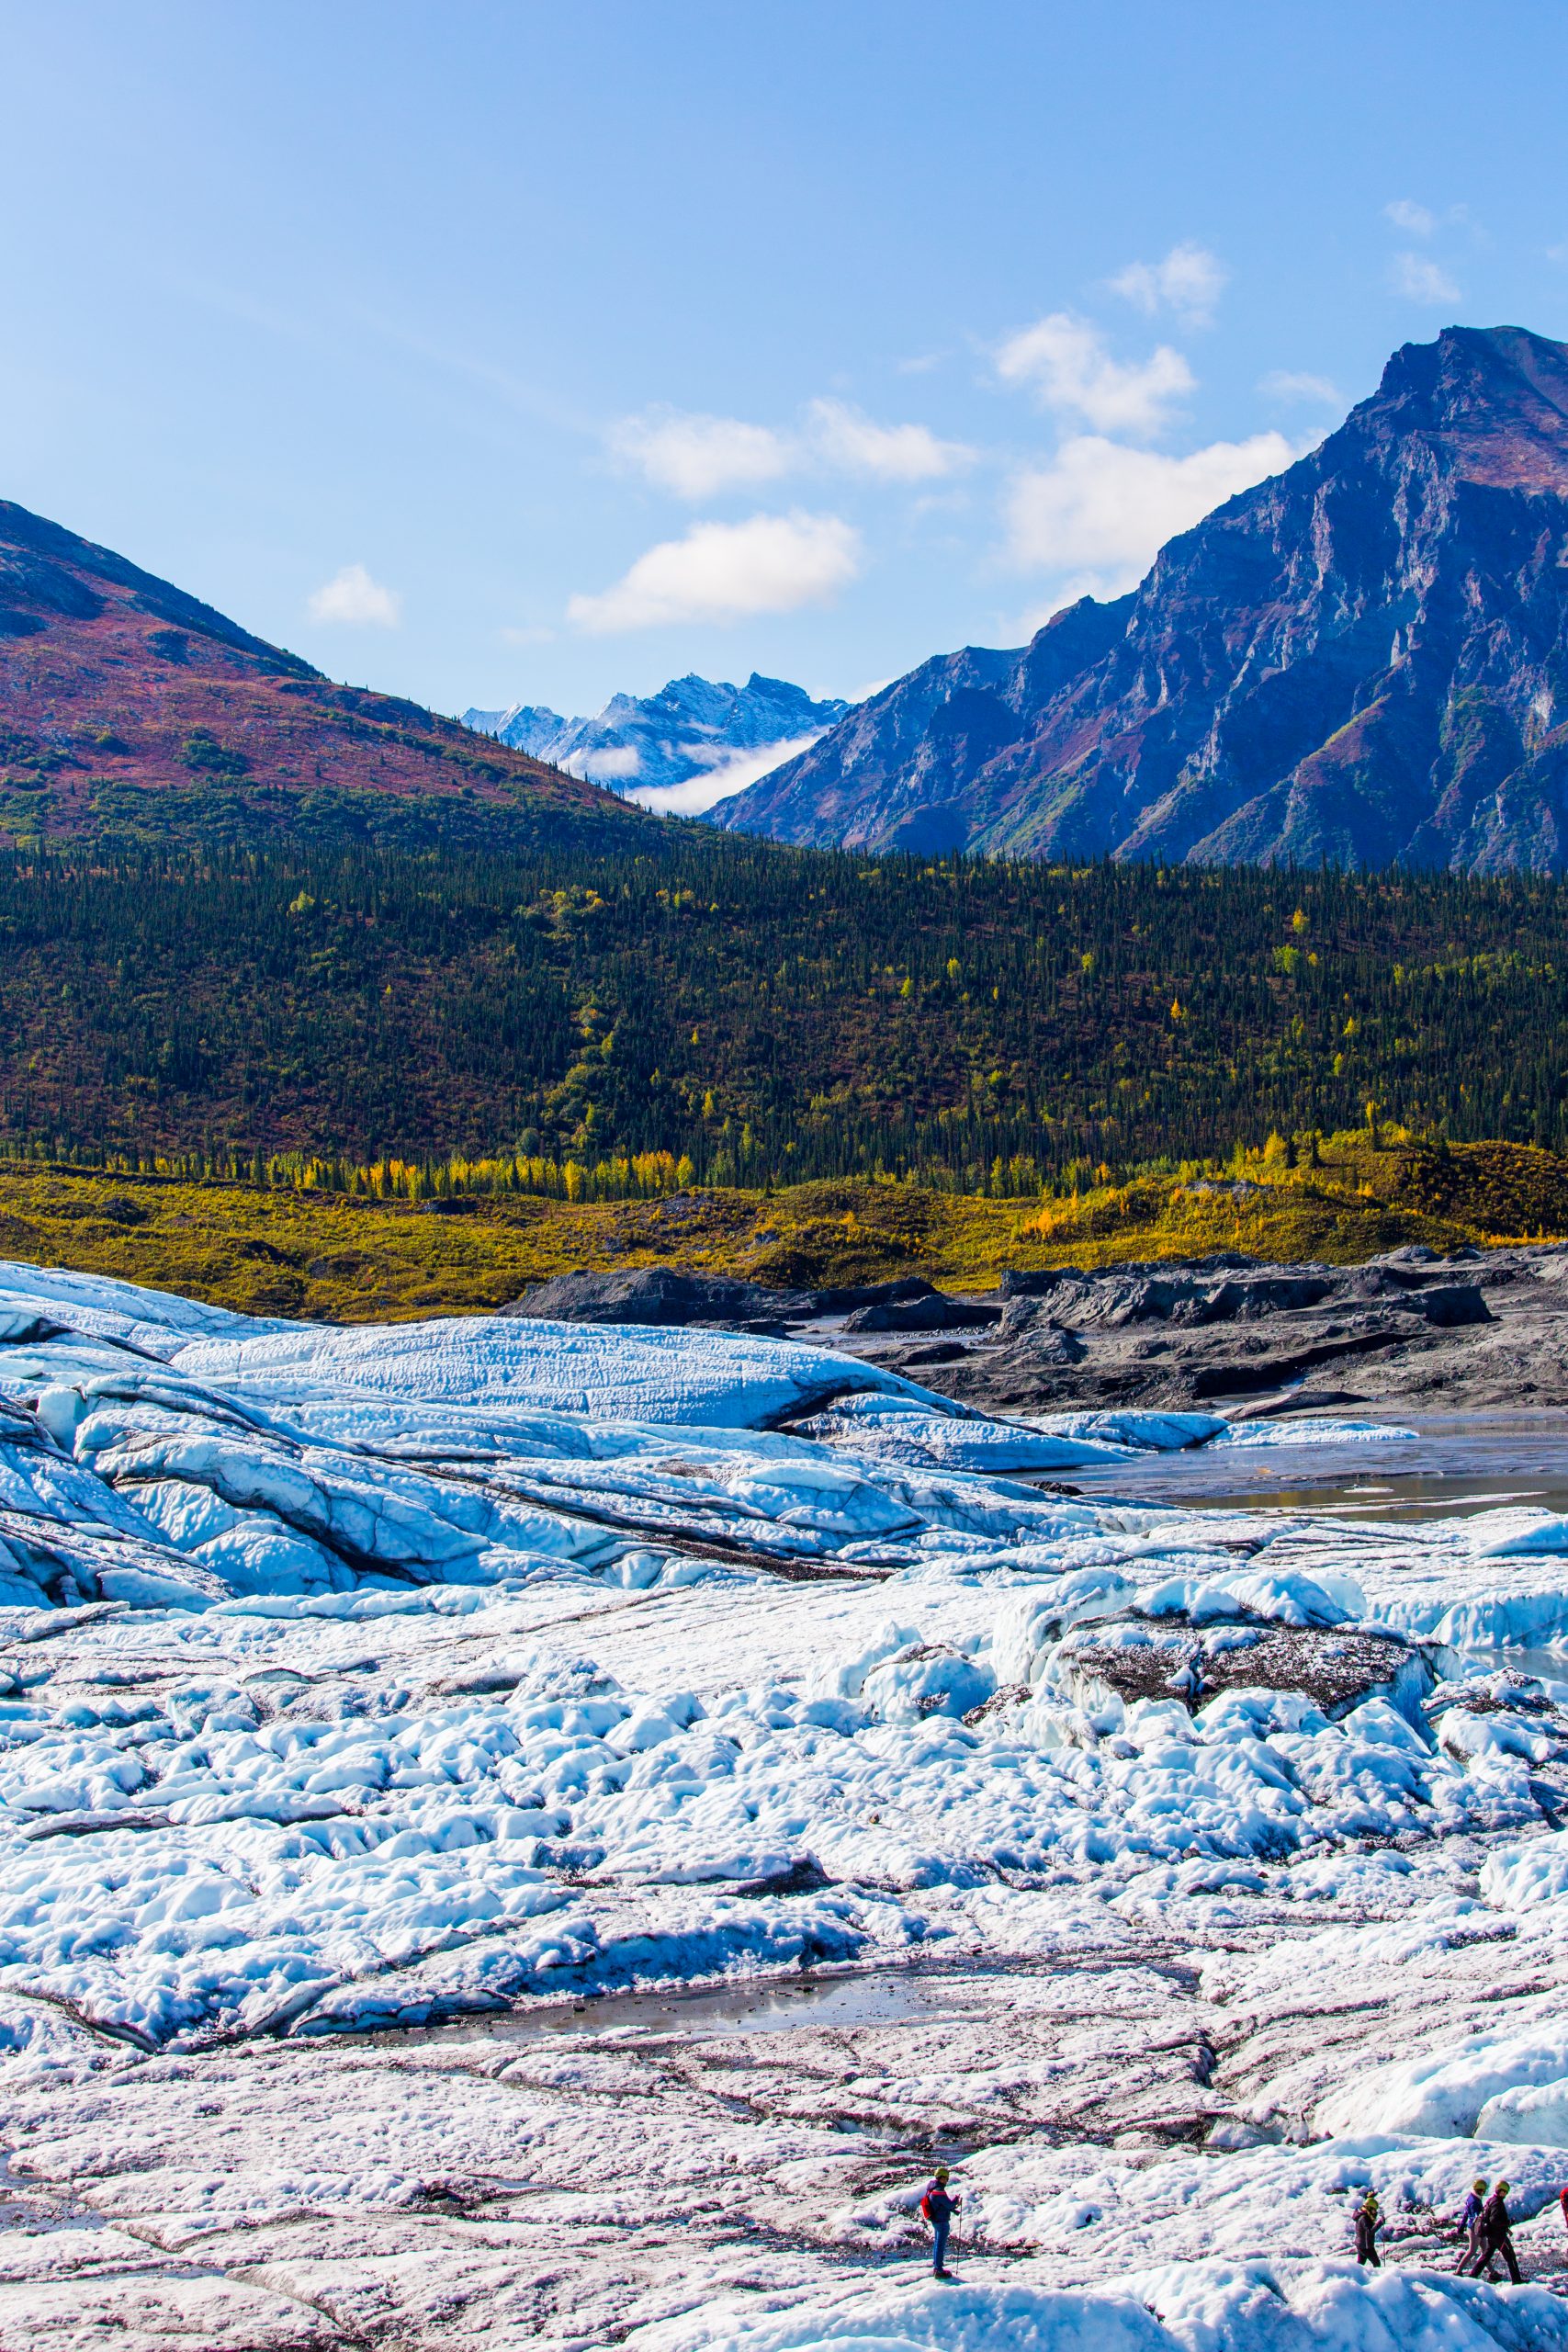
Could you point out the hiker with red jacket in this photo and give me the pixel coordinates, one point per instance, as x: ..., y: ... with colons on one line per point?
x: 938, y: 2208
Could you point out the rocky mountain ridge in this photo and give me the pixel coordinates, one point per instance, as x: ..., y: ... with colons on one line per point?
x: 1362, y: 661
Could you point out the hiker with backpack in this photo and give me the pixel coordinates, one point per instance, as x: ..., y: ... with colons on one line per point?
x: 1469, y: 2220
x: 1369, y: 2213
x: 938, y: 2208
x: 1492, y: 2230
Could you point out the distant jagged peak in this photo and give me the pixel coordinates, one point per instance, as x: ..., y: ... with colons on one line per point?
x: 682, y: 748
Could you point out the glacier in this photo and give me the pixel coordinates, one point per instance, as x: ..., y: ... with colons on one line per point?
x: 513, y: 1829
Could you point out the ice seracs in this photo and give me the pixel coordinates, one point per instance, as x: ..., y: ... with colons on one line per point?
x: 358, y: 1679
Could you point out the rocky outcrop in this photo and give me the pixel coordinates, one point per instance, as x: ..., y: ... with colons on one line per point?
x: 1363, y: 660
x: 1229, y: 1333
x: 672, y: 1295
x: 1335, y: 1668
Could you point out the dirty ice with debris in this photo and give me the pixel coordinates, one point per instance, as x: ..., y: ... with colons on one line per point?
x: 515, y: 1830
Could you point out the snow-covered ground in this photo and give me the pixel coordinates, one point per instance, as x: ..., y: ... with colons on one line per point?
x: 516, y: 1830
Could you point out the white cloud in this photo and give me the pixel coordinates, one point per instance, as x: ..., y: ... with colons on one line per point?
x: 1102, y: 511
x: 1189, y: 281
x: 611, y: 764
x: 1420, y: 280
x: 1414, y: 219
x: 1287, y: 384
x: 845, y: 438
x: 729, y: 777
x: 722, y: 572
x: 1064, y: 363
x: 352, y: 595
x: 696, y: 455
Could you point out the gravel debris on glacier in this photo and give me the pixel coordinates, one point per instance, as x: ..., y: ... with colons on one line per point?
x: 381, y: 1707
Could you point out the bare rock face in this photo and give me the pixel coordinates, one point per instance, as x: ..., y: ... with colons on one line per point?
x: 1360, y: 659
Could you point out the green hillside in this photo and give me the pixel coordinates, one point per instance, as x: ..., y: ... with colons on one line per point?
x: 727, y: 1013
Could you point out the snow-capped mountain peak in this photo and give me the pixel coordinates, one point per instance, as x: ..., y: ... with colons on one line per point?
x: 680, y: 750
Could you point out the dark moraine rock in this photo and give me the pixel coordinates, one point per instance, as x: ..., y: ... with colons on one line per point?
x: 1189, y: 1296
x: 931, y: 1313
x: 1449, y: 1305
x: 1045, y: 1282
x: 1335, y: 1668
x: 672, y: 1295
x: 659, y: 1294
x: 1410, y: 1331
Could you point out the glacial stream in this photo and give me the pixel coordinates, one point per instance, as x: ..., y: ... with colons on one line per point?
x: 1454, y: 1465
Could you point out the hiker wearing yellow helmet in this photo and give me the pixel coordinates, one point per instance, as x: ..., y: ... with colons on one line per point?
x: 1469, y: 2220
x: 1493, y: 2230
x: 938, y: 2208
x: 1369, y: 2213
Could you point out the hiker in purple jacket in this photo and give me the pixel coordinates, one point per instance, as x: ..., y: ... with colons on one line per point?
x: 1469, y: 2219
x: 1493, y: 2228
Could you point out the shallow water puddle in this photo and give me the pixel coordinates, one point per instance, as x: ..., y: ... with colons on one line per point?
x: 880, y: 1996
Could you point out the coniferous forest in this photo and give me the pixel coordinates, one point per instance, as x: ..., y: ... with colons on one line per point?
x: 717, y: 1011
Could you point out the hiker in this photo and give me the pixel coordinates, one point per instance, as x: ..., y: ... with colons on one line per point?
x: 938, y: 2208
x: 1492, y: 2230
x: 1369, y: 2213
x: 1469, y: 2220
x: 1563, y: 2200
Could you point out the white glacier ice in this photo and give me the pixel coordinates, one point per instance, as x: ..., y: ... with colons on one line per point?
x: 623, y: 1372
x: 356, y: 1682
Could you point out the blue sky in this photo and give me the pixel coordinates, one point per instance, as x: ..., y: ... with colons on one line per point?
x: 493, y: 352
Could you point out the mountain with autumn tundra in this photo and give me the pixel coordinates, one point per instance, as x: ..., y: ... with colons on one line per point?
x: 1363, y: 660
x: 130, y: 711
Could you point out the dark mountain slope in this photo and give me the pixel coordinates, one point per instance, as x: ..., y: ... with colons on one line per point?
x: 1364, y: 660
x: 130, y: 710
